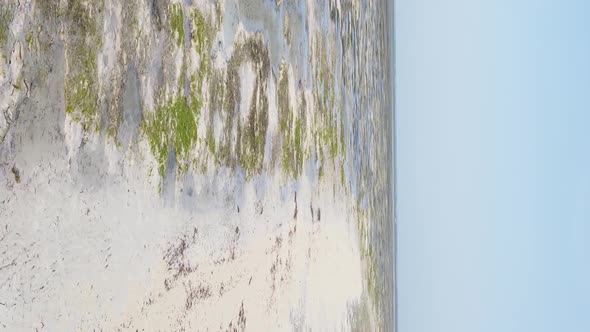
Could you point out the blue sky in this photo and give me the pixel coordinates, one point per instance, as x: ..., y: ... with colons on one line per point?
x: 493, y: 165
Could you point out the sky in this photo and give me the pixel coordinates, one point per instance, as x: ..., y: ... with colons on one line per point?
x: 493, y: 165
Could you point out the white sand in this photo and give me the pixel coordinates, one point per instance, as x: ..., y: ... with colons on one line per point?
x: 83, y: 258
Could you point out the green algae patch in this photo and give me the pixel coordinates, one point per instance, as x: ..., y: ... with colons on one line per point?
x: 252, y: 138
x: 202, y: 32
x: 49, y: 9
x: 81, y: 81
x: 174, y: 125
x: 329, y: 135
x: 5, y: 19
x: 30, y: 38
x: 291, y: 128
x: 240, y: 142
x: 81, y: 90
x: 216, y: 101
x: 177, y: 23
x: 237, y: 142
x: 218, y: 14
x: 298, y: 146
x: 283, y: 98
x: 327, y: 126
x: 202, y: 38
x: 202, y: 45
x: 285, y: 123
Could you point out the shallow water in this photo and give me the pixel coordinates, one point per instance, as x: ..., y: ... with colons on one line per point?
x: 367, y: 91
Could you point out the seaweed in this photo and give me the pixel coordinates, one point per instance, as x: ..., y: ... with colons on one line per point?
x: 5, y: 19
x: 176, y: 18
x: 173, y: 125
x: 81, y: 82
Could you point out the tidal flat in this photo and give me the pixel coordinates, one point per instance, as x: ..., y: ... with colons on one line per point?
x: 195, y: 165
